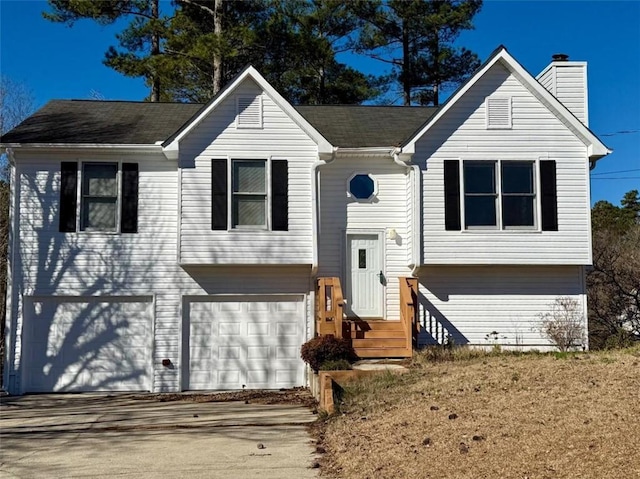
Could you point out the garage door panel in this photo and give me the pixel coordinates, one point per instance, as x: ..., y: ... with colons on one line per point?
x: 228, y: 329
x: 258, y: 328
x: 253, y: 343
x: 87, y: 344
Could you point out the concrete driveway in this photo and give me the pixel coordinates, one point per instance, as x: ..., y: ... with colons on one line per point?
x: 89, y: 435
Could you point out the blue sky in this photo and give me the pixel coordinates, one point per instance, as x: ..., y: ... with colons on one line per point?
x: 56, y: 61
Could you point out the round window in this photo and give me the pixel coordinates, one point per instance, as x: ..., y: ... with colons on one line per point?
x: 362, y: 187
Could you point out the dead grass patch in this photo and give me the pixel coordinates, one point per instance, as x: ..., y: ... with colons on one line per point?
x: 492, y: 415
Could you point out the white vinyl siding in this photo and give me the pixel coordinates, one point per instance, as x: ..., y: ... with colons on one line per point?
x: 216, y: 137
x: 536, y: 135
x: 471, y: 302
x: 47, y: 263
x: 389, y: 209
x: 567, y: 81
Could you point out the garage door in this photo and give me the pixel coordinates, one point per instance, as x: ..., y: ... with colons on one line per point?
x: 251, y: 342
x: 87, y: 344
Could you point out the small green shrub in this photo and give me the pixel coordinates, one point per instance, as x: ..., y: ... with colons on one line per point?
x: 335, y: 365
x: 321, y: 349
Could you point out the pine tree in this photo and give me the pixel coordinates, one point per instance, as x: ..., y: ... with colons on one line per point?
x: 416, y: 37
x: 141, y: 40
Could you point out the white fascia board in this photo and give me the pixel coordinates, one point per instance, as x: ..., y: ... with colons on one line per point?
x: 595, y: 147
x: 121, y: 148
x: 323, y: 145
x: 411, y: 145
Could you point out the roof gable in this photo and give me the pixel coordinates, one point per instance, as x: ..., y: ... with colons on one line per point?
x: 171, y: 145
x: 595, y: 147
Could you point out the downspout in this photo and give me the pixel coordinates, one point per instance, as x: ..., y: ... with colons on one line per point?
x: 315, y: 208
x: 414, y: 170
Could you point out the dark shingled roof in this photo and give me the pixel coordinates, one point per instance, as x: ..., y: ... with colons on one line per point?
x: 102, y: 122
x: 353, y: 126
x: 122, y: 122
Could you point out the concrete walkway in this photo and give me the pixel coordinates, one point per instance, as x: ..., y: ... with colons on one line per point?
x: 89, y: 435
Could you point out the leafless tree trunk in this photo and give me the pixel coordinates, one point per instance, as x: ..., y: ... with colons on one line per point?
x: 155, y: 51
x: 218, y: 9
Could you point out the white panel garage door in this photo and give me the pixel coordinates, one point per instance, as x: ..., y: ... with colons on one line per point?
x: 87, y: 344
x: 251, y: 342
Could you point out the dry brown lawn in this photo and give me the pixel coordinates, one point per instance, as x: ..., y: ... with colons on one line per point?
x: 505, y: 416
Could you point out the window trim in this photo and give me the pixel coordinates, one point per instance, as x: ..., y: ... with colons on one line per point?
x: 374, y: 194
x: 80, y: 228
x: 232, y: 195
x: 499, y: 227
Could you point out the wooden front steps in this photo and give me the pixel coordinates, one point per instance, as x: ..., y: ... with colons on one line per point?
x: 371, y: 338
x: 377, y: 338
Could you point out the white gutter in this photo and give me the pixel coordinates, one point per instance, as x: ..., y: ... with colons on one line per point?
x: 368, y: 151
x: 315, y: 207
x: 414, y: 171
x: 85, y: 146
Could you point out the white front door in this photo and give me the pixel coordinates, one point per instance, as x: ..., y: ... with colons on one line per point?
x: 365, y: 281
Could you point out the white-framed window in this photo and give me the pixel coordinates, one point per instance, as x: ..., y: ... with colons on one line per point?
x: 249, y: 207
x: 362, y: 186
x: 499, y: 194
x: 99, y: 197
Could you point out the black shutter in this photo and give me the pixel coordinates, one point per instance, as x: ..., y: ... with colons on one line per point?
x: 129, y: 201
x: 218, y: 194
x: 549, y: 198
x: 68, y: 196
x: 452, y: 195
x: 279, y: 195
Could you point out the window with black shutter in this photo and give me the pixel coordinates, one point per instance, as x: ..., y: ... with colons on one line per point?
x: 108, y: 197
x: 500, y: 194
x: 243, y: 193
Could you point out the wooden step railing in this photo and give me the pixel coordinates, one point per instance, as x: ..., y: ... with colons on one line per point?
x: 369, y: 337
x: 409, y: 310
x: 329, y: 307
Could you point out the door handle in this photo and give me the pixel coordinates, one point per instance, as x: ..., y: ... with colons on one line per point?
x: 381, y: 277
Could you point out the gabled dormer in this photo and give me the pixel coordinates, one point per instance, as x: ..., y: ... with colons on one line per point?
x: 245, y: 163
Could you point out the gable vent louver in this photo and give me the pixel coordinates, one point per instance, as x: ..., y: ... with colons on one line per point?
x: 249, y: 112
x: 498, y: 112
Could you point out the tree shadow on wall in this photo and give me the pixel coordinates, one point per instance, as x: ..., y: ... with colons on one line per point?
x: 77, y: 334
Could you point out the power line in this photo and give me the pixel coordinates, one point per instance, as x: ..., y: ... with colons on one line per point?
x: 619, y: 178
x: 621, y: 132
x: 612, y: 172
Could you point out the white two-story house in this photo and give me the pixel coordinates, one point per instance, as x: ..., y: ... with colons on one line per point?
x: 167, y: 247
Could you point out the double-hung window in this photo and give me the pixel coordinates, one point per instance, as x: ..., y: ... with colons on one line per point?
x: 107, y: 200
x: 99, y: 206
x: 518, y: 194
x: 499, y: 194
x: 249, y: 205
x: 249, y: 194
